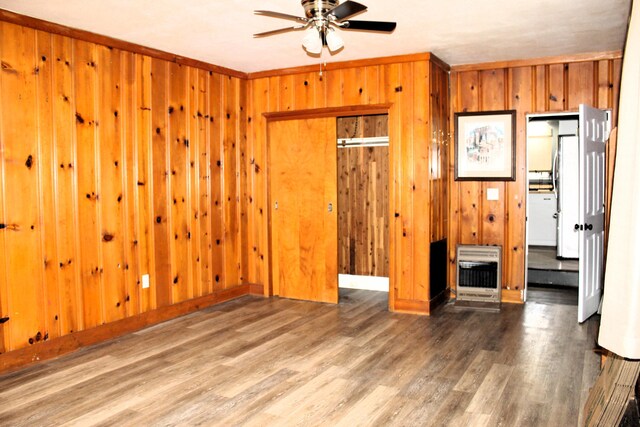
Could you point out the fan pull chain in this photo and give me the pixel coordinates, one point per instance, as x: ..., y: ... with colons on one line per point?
x: 325, y: 66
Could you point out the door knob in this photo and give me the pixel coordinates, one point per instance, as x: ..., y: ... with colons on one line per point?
x: 330, y: 207
x: 576, y: 227
x: 589, y: 227
x: 275, y: 206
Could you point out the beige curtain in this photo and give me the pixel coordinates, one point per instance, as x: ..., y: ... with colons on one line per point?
x: 620, y: 323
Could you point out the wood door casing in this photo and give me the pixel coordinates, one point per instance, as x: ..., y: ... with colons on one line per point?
x: 304, y: 234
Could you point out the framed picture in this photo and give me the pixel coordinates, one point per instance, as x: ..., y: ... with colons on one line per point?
x: 485, y: 145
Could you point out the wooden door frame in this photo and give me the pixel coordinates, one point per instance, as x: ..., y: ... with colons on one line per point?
x: 315, y: 113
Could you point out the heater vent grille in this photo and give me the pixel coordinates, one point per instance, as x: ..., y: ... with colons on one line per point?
x: 479, y: 273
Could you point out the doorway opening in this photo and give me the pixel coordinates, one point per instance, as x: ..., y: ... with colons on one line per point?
x: 565, y: 207
x: 552, y: 201
x: 363, y: 203
x: 552, y: 256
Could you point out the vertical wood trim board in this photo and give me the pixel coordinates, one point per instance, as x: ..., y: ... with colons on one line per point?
x: 526, y: 89
x: 114, y: 165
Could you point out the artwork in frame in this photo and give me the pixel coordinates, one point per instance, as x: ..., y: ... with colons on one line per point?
x: 485, y: 146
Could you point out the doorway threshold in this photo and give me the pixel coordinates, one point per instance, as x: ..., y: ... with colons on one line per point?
x: 552, y: 277
x: 367, y: 283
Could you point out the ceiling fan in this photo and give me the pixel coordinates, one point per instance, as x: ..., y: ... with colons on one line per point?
x: 322, y: 18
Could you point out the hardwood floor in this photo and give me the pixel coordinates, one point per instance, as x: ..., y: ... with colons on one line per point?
x: 260, y: 362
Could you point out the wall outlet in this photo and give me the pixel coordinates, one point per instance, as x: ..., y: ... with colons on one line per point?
x: 145, y: 281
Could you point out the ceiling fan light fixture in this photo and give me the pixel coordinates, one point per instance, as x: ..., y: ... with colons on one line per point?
x: 322, y: 18
x: 312, y: 42
x: 334, y: 41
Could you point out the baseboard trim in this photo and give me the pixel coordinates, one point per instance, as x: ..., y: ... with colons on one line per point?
x: 17, y: 359
x: 411, y: 307
x: 439, y: 299
x: 256, y: 289
x: 512, y: 296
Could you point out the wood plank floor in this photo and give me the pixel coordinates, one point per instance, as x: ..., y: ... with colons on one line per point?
x: 262, y: 362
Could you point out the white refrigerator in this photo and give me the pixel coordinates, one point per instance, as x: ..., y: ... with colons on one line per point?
x: 567, y: 185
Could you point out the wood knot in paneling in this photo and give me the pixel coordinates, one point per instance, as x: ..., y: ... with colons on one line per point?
x: 8, y: 68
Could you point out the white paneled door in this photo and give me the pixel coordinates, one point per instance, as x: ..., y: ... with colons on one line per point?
x: 594, y: 133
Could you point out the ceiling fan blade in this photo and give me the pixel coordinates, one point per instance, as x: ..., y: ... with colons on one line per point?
x: 346, y: 9
x: 280, y: 15
x: 281, y: 30
x: 382, y: 26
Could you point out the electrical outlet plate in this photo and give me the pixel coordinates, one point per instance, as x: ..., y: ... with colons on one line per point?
x: 145, y: 281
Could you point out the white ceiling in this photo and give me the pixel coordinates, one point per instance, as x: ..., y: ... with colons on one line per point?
x: 458, y: 31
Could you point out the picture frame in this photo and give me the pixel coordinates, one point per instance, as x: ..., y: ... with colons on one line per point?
x: 485, y: 146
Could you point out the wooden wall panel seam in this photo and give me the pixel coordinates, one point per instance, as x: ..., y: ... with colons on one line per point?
x: 98, y: 181
x: 76, y: 198
x: 47, y: 219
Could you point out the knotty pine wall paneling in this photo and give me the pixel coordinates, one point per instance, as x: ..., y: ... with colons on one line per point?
x: 215, y: 181
x: 405, y: 83
x: 23, y: 259
x: 533, y: 87
x: 363, y: 199
x: 114, y: 164
x: 178, y: 178
x: 46, y: 172
x: 141, y: 184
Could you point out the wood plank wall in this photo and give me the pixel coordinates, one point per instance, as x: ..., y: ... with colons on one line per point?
x: 113, y: 165
x: 363, y: 199
x: 413, y: 86
x: 531, y: 87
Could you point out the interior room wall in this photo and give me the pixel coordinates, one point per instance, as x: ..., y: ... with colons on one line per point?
x: 114, y: 164
x: 556, y: 84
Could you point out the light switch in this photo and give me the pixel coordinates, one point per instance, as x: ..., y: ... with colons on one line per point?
x: 145, y: 281
x: 493, y: 194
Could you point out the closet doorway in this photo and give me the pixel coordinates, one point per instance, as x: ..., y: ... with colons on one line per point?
x: 329, y: 204
x: 363, y: 202
x: 302, y: 196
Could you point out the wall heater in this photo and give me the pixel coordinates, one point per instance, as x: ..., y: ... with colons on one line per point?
x: 479, y: 274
